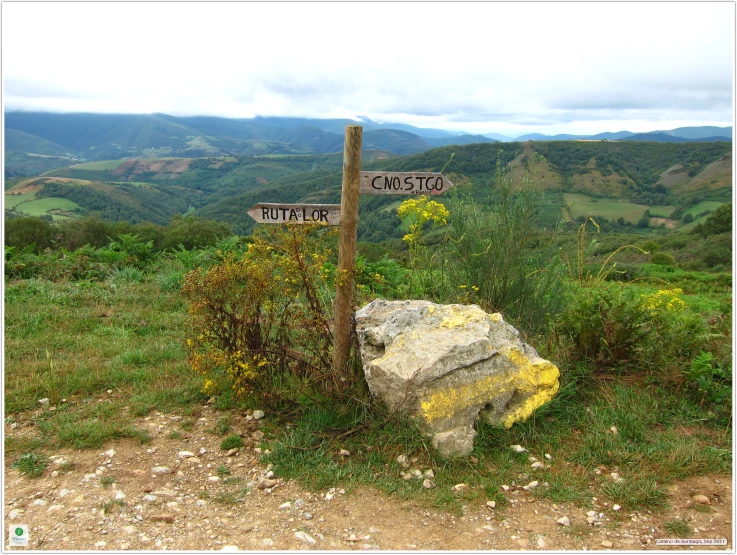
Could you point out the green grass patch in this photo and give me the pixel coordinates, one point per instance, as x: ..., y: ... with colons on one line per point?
x: 11, y: 201
x: 98, y: 166
x: 42, y: 206
x: 611, y: 208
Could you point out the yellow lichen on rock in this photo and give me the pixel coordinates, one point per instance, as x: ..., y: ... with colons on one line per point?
x: 535, y: 382
x: 459, y: 319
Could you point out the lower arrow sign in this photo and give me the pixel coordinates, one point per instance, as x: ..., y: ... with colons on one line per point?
x: 265, y: 213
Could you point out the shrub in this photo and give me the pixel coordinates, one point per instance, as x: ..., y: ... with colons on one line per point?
x: 260, y: 322
x: 664, y: 259
x: 231, y: 442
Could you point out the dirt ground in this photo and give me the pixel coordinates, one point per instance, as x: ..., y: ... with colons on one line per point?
x: 169, y: 494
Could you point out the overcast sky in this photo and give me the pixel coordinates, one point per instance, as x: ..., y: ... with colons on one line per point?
x: 509, y: 68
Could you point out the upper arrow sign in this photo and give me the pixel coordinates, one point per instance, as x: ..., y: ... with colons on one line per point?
x: 296, y: 213
x: 403, y: 183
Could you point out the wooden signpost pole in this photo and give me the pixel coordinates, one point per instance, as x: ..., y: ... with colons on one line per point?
x: 347, y: 246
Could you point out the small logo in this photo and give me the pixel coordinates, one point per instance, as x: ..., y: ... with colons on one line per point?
x: 18, y: 535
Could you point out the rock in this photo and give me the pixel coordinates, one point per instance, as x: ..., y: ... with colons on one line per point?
x: 518, y: 448
x: 186, y: 454
x: 266, y: 483
x: 284, y: 506
x: 129, y: 529
x: 428, y: 474
x: 162, y: 518
x: 701, y: 499
x: 305, y: 537
x: 564, y: 521
x: 193, y: 461
x: 258, y: 414
x: 267, y: 542
x: 428, y: 484
x: 149, y: 497
x: 491, y: 504
x: 231, y: 452
x: 460, y: 487
x: 15, y: 514
x: 541, y: 543
x: 45, y: 402
x: 616, y: 507
x: 100, y: 544
x: 403, y: 462
x: 202, y: 451
x: 606, y: 543
x: 548, y: 457
x: 39, y: 503
x: 258, y: 435
x: 406, y: 475
x: 450, y: 364
x: 213, y: 478
x: 616, y: 477
x: 531, y: 486
x: 161, y: 470
x: 119, y: 495
x: 537, y: 465
x: 344, y: 453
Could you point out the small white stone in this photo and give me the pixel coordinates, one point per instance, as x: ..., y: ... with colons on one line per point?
x: 491, y: 504
x: 232, y: 452
x: 616, y: 507
x: 161, y: 470
x: 305, y: 537
x: 39, y: 503
x: 202, y: 451
x: 213, y: 478
x: 258, y: 414
x: 54, y: 508
x: 100, y: 544
x: 45, y: 402
x: 532, y: 485
x: 548, y: 457
x: 149, y: 497
x: 110, y: 453
x: 119, y: 495
x: 344, y: 453
x: 428, y: 484
x: 606, y: 543
x: 185, y: 454
x: 505, y: 488
x: 15, y: 514
x: 201, y: 503
x: 614, y: 430
x: 267, y: 542
x: 286, y: 505
x: 518, y: 448
x: 429, y: 474
x: 403, y: 462
x: 564, y: 521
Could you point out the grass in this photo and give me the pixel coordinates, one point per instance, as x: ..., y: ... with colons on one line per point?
x: 57, y: 345
x: 678, y: 528
x: 583, y: 205
x: 98, y: 166
x: 42, y: 206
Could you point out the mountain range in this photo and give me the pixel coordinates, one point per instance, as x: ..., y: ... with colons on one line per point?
x: 92, y: 137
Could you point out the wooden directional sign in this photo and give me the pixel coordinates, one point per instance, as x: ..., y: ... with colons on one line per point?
x: 265, y: 213
x: 403, y: 183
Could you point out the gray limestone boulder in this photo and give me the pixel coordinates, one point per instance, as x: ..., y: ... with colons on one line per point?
x: 448, y: 365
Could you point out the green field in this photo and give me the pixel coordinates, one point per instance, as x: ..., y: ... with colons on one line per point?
x: 42, y: 206
x: 703, y: 205
x: 11, y: 201
x: 98, y: 166
x: 584, y: 205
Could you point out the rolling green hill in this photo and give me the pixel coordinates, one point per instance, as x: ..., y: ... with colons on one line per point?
x: 615, y: 182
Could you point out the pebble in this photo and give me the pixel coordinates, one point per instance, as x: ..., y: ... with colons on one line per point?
x: 267, y: 542
x: 460, y: 487
x: 202, y: 451
x: 286, y: 505
x: 304, y: 536
x: 541, y: 543
x: 185, y: 454
x: 606, y: 543
x: 266, y: 483
x: 406, y: 475
x: 701, y: 499
x: 110, y: 453
x: 429, y: 474
x: 15, y: 514
x: 45, y: 402
x: 39, y: 502
x: 308, y: 516
x: 344, y: 453
x: 537, y: 464
x: 129, y: 529
x: 55, y: 508
x: 161, y: 470
x: 491, y: 504
x: 100, y: 544
x: 149, y: 497
x: 64, y: 493
x: 231, y: 452
x: 215, y: 479
x: 258, y: 414
x: 505, y: 488
x: 403, y: 462
x: 531, y: 486
x: 428, y: 484
x: 258, y: 435
x: 119, y: 495
x: 616, y: 507
x: 193, y: 460
x: 564, y: 521
x: 518, y: 449
x: 548, y: 457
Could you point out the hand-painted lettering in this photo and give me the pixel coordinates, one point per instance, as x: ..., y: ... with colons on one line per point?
x: 373, y: 183
x: 293, y: 215
x: 265, y: 212
x: 408, y: 181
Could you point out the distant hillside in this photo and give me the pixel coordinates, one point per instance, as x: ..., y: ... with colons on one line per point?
x: 668, y: 138
x: 460, y: 140
x: 33, y: 144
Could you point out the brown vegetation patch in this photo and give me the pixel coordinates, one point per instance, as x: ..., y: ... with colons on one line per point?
x: 261, y: 180
x: 593, y: 181
x: 124, y: 167
x: 673, y: 176
x: 664, y: 222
